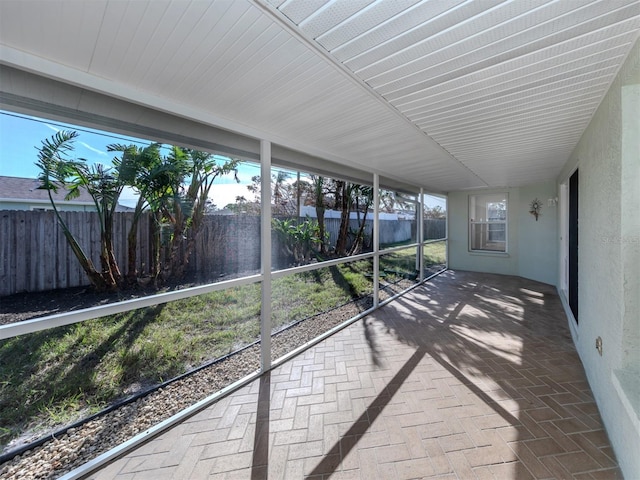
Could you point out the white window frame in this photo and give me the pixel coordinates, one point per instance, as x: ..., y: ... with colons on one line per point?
x: 488, y: 222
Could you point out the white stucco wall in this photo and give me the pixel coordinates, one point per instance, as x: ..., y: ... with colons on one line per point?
x: 538, y: 240
x: 608, y: 159
x: 532, y: 245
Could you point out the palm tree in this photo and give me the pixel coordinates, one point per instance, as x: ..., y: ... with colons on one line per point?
x: 186, y: 208
x: 104, y: 186
x: 363, y: 199
x: 319, y: 200
x: 152, y: 177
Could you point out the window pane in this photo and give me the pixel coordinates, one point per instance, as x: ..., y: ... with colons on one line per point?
x: 435, y: 257
x: 496, y: 232
x: 397, y: 219
x: 489, y: 207
x: 307, y: 304
x: 296, y: 229
x: 183, y: 217
x: 488, y: 222
x: 56, y: 376
x: 228, y: 245
x: 398, y: 271
x: 435, y: 217
x: 317, y: 218
x: 488, y: 236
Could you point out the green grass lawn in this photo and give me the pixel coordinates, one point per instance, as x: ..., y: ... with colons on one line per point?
x: 402, y: 263
x: 302, y: 295
x: 435, y: 253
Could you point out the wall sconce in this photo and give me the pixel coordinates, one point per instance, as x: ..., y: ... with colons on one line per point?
x: 535, y: 207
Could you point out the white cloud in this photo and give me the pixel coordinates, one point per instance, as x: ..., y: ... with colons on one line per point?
x: 128, y: 197
x: 89, y: 147
x: 223, y: 194
x: 55, y: 129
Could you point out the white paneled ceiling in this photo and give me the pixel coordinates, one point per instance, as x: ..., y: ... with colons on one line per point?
x: 446, y: 94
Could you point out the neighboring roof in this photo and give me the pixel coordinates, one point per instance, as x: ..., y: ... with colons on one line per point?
x: 17, y: 188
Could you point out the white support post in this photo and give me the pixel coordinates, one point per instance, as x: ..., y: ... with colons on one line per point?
x: 376, y: 239
x: 446, y: 235
x: 265, y: 254
x: 420, y: 218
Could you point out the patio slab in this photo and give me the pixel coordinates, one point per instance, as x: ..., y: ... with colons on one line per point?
x: 469, y: 376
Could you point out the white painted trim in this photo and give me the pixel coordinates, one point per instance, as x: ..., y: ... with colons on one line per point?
x: 315, y: 266
x: 265, y: 255
x: 563, y: 251
x: 67, y: 318
x: 399, y: 248
x: 420, y: 216
x: 376, y: 240
x: 436, y: 240
x: 446, y: 233
x: 488, y: 222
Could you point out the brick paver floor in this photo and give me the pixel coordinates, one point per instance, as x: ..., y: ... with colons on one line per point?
x: 469, y: 376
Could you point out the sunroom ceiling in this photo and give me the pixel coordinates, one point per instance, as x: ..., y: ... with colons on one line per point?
x: 446, y: 94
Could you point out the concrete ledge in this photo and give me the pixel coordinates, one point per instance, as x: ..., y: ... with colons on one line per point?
x: 627, y: 385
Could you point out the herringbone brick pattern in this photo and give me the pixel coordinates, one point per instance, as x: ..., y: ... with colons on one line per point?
x: 470, y: 376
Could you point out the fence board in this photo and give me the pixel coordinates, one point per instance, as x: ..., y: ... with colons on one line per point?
x: 31, y: 224
x: 34, y: 254
x: 40, y: 271
x: 62, y: 270
x: 5, y: 249
x: 20, y: 257
x: 435, y: 228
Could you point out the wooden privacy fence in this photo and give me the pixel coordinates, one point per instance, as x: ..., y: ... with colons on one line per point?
x: 35, y: 256
x: 391, y: 231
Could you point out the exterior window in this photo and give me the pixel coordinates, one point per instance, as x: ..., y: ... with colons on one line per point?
x: 488, y: 222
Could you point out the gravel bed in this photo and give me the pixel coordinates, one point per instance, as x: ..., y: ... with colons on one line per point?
x: 84, y: 443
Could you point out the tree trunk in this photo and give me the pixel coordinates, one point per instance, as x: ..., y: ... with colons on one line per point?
x: 359, y: 240
x: 95, y: 278
x: 132, y: 245
x: 174, y: 268
x: 132, y: 255
x: 110, y: 270
x: 345, y: 207
x: 321, y: 229
x: 157, y: 250
x: 105, y: 262
x: 319, y: 200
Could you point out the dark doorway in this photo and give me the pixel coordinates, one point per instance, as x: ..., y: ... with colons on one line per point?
x: 573, y: 244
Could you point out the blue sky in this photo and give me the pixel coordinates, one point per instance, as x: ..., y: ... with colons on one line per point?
x: 21, y: 136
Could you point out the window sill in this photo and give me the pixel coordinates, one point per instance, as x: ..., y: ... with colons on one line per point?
x: 487, y: 253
